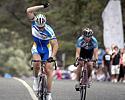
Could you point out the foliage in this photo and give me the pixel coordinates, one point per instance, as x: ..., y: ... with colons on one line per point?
x: 66, y: 17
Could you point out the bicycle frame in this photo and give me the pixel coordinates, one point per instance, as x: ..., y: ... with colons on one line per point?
x: 84, y: 75
x: 42, y: 83
x: 84, y: 81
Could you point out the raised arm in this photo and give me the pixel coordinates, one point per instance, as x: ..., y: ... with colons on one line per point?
x: 30, y: 11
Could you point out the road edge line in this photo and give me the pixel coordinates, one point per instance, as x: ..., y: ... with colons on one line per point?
x: 30, y: 90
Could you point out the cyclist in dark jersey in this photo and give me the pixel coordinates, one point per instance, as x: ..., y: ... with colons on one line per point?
x: 86, y: 48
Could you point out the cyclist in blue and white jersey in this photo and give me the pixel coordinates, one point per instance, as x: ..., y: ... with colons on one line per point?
x: 86, y: 48
x: 45, y: 45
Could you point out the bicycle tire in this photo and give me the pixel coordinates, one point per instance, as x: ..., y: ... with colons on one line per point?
x: 43, y: 89
x: 83, y: 93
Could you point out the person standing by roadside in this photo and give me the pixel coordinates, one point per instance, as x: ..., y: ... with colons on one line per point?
x: 106, y: 63
x: 122, y: 67
x: 115, y: 67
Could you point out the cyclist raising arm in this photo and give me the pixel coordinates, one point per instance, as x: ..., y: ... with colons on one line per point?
x: 45, y: 45
x: 86, y: 48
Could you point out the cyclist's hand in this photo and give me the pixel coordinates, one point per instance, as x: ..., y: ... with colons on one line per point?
x: 46, y: 5
x: 50, y: 59
x: 96, y: 63
x: 76, y: 62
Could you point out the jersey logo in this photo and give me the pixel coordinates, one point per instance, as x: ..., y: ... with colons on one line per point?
x: 43, y: 36
x: 86, y: 45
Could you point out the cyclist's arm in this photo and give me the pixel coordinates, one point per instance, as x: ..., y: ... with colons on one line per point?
x: 31, y: 10
x: 77, y: 52
x: 95, y: 53
x: 78, y: 47
x: 95, y: 48
x: 55, y: 46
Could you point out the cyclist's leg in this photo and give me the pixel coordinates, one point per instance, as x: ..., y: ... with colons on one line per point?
x: 49, y: 71
x: 90, y: 68
x: 36, y: 66
x: 89, y: 55
x: 78, y: 72
x: 36, y: 56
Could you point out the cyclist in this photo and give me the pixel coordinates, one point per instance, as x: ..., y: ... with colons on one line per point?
x: 45, y: 45
x: 86, y: 48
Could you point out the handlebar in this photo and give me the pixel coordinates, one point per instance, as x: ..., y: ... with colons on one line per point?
x: 85, y: 60
x: 45, y: 62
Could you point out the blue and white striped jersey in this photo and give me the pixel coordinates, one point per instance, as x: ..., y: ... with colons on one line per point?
x: 41, y: 38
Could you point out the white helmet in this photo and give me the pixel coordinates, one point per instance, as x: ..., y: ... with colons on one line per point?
x: 87, y: 32
x: 40, y: 20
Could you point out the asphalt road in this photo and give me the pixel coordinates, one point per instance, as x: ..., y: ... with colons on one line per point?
x: 11, y: 89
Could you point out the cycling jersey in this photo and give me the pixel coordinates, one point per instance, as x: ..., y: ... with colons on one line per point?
x: 41, y: 40
x: 87, y: 45
x: 87, y: 48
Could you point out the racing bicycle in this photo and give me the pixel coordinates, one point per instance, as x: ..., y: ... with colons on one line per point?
x: 42, y: 80
x: 84, y: 79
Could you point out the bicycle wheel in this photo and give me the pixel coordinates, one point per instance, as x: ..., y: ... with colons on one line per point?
x: 43, y: 89
x: 83, y: 93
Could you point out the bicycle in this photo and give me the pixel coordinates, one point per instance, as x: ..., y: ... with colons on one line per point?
x: 42, y: 80
x: 84, y: 79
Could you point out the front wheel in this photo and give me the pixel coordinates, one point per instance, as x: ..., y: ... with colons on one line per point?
x: 83, y: 93
x: 43, y: 89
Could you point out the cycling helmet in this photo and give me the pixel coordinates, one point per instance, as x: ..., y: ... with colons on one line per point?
x: 40, y: 20
x: 87, y: 32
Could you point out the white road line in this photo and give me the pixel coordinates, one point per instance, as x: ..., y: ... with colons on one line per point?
x: 31, y: 92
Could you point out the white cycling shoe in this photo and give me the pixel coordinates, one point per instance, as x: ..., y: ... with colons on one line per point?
x: 35, y: 84
x: 49, y: 97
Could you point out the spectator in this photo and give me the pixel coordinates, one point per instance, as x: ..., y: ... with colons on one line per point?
x: 123, y: 59
x: 106, y: 63
x: 121, y: 74
x: 101, y: 52
x: 59, y: 74
x: 115, y: 67
x: 100, y: 75
x: 112, y: 48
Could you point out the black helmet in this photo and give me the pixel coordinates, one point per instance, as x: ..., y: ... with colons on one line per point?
x: 87, y: 32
